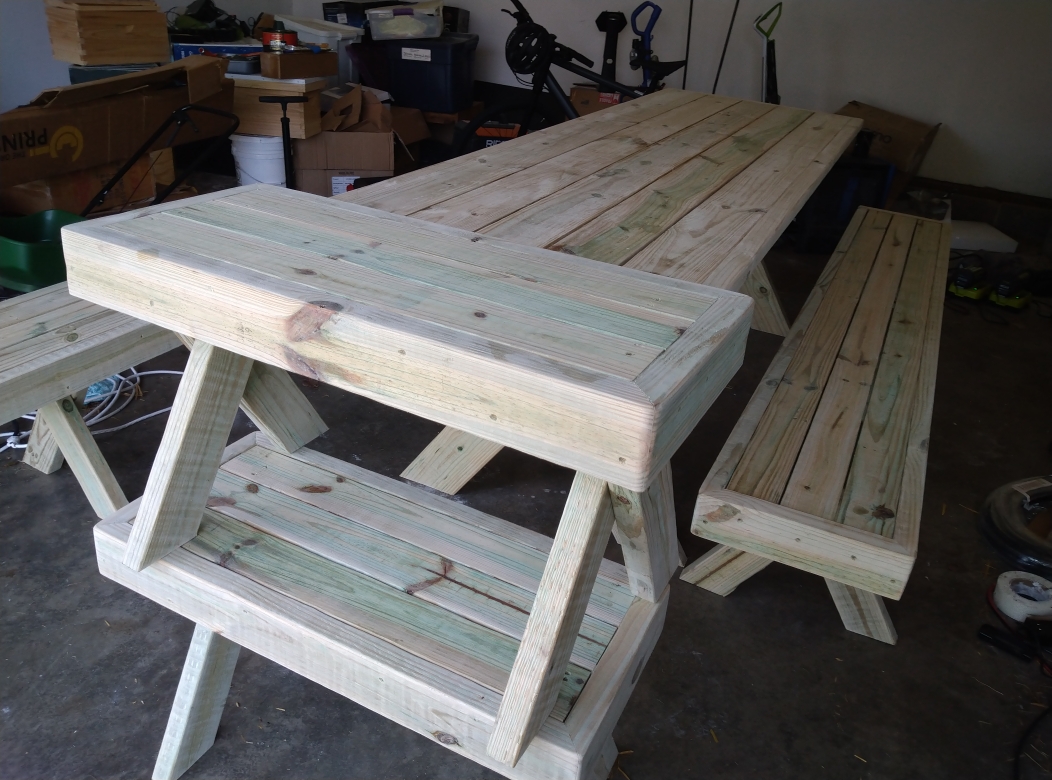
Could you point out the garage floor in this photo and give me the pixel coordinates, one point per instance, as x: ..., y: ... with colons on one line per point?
x: 764, y: 683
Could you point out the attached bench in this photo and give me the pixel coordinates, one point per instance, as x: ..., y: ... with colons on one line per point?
x: 825, y: 469
x: 53, y: 346
x: 512, y: 649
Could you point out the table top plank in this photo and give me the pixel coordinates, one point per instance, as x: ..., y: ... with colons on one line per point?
x: 542, y: 371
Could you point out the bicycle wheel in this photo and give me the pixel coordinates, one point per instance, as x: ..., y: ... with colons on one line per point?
x: 501, y: 123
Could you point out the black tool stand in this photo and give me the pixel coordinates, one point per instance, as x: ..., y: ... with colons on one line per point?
x: 286, y: 135
x: 611, y: 23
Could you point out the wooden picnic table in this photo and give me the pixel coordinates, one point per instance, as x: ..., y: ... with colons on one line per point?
x: 692, y: 186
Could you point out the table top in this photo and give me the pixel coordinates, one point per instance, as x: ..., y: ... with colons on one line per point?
x: 692, y: 186
x: 595, y: 367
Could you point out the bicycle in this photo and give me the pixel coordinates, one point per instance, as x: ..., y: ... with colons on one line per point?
x: 532, y: 51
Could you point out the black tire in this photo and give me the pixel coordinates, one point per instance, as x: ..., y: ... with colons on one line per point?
x: 467, y: 139
x: 1019, y: 533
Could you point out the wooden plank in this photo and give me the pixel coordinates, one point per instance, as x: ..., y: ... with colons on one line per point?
x: 617, y: 233
x: 767, y: 313
x: 803, y: 541
x: 199, y: 701
x: 414, y: 571
x: 722, y: 569
x: 189, y: 455
x: 486, y: 205
x: 444, y: 638
x: 428, y: 699
x: 679, y: 159
x: 645, y: 527
x: 862, y: 612
x: 465, y: 537
x: 767, y: 462
x: 818, y: 477
x: 719, y: 242
x: 414, y: 191
x: 85, y: 460
x: 554, y: 620
x: 42, y: 451
x: 451, y: 460
x: 870, y: 496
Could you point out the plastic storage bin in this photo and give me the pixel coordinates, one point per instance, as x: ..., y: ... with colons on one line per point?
x: 433, y: 75
x: 337, y: 36
x: 31, y: 250
x: 399, y: 22
x: 351, y: 13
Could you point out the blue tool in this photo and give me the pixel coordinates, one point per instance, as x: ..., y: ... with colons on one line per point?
x: 642, y: 55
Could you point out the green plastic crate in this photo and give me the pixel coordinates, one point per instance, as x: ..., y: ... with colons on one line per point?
x: 31, y: 250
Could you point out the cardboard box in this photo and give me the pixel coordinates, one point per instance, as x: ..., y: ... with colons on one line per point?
x: 588, y: 100
x: 298, y: 65
x: 265, y: 118
x: 329, y: 183
x: 84, y: 126
x: 897, y: 139
x: 73, y: 191
x: 368, y: 155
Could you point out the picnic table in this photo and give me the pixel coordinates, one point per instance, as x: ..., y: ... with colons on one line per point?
x: 681, y: 184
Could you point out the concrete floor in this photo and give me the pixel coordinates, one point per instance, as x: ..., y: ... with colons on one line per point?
x: 765, y: 683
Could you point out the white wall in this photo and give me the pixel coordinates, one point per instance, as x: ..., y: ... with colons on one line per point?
x: 26, y: 66
x: 981, y: 67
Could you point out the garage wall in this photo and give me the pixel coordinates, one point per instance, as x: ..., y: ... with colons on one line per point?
x: 26, y: 65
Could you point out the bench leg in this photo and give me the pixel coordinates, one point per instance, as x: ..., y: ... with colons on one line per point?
x: 767, y: 314
x: 203, y: 689
x: 863, y: 612
x: 645, y: 527
x: 555, y: 619
x: 42, y: 451
x: 723, y: 568
x: 451, y: 460
x: 604, y: 762
x: 85, y: 460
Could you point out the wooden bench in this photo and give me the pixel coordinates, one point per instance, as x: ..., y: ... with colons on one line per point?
x: 53, y: 346
x: 681, y: 184
x: 509, y: 648
x: 825, y: 469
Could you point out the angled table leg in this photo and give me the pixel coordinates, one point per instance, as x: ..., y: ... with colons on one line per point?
x: 188, y: 458
x: 723, y: 568
x: 198, y: 706
x: 451, y: 460
x: 645, y: 527
x: 863, y: 612
x: 276, y: 406
x: 768, y: 314
x: 73, y: 438
x: 555, y: 619
x: 42, y: 451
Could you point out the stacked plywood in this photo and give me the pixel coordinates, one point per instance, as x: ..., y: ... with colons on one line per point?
x: 107, y: 32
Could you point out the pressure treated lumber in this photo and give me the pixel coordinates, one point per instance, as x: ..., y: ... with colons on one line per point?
x: 555, y: 619
x: 459, y: 328
x: 814, y: 474
x: 203, y: 689
x: 186, y: 462
x: 451, y: 460
x: 767, y: 312
x: 42, y: 451
x: 645, y: 527
x: 73, y: 438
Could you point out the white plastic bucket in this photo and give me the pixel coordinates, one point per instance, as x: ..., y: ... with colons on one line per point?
x: 259, y: 159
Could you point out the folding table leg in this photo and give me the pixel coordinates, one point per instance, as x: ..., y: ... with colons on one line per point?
x: 645, y: 527
x: 451, y: 460
x: 723, y: 568
x: 555, y: 619
x: 767, y: 315
x: 188, y: 458
x: 863, y: 612
x: 73, y: 438
x: 203, y: 689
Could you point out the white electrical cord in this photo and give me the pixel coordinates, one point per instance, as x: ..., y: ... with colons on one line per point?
x: 109, y: 405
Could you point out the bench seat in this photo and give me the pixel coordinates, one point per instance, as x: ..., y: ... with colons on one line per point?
x: 825, y: 469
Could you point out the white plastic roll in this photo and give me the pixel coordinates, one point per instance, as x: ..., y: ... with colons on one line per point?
x: 1020, y: 595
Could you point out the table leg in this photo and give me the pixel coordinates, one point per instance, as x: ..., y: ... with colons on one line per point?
x: 723, y: 568
x: 203, y: 689
x: 767, y: 314
x: 645, y: 527
x: 42, y: 451
x: 451, y: 460
x: 188, y: 458
x: 73, y: 438
x: 863, y: 612
x: 555, y: 619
